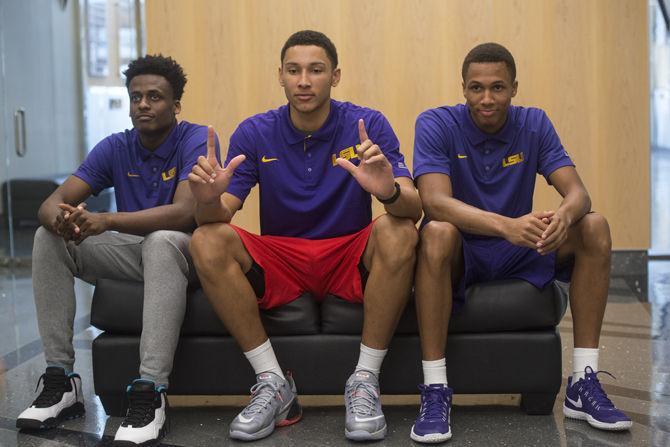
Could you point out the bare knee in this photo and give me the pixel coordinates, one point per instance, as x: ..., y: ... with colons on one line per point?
x: 212, y: 244
x: 440, y: 242
x: 395, y: 239
x: 595, y: 237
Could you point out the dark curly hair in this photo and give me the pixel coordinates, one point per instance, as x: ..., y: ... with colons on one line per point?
x: 309, y: 37
x: 158, y: 65
x: 490, y: 52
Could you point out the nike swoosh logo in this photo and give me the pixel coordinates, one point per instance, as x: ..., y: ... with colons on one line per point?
x: 462, y: 156
x: 268, y: 160
x: 132, y: 175
x: 578, y: 403
x: 368, y: 419
x: 243, y: 419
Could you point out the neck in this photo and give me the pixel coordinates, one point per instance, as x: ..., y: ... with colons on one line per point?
x: 152, y: 141
x: 311, y: 121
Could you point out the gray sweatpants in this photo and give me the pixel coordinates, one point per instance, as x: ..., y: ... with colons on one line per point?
x: 160, y: 259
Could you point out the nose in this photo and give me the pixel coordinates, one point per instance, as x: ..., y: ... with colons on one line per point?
x: 144, y: 104
x: 303, y: 82
x: 488, y: 97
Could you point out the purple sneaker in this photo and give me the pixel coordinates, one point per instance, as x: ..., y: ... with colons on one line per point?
x: 433, y: 423
x: 586, y: 400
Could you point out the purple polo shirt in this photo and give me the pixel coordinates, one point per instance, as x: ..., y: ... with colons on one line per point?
x: 142, y: 178
x: 303, y: 193
x: 493, y: 172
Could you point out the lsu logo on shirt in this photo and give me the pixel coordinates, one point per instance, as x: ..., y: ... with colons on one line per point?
x: 169, y: 175
x: 348, y: 154
x: 513, y: 159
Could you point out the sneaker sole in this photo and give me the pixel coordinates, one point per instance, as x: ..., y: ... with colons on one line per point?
x: 289, y: 416
x: 161, y: 434
x: 430, y: 438
x: 362, y: 435
x: 582, y: 416
x: 72, y: 412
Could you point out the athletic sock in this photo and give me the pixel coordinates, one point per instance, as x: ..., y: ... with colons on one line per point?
x: 581, y: 358
x: 371, y: 359
x: 263, y: 359
x: 434, y: 371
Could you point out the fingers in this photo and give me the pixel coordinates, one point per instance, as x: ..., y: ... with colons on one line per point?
x: 362, y: 133
x: 234, y: 163
x: 346, y: 165
x: 211, y: 144
x: 543, y: 214
x: 198, y: 172
x: 549, y: 246
x: 376, y: 159
x: 204, y: 168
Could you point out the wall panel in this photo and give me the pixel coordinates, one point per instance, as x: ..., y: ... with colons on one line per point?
x: 584, y: 62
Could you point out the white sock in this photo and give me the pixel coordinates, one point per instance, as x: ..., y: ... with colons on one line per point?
x: 263, y: 359
x: 581, y: 358
x: 371, y: 359
x: 434, y: 371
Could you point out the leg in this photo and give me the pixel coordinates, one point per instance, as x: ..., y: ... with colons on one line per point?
x: 389, y: 257
x: 221, y: 262
x: 590, y: 244
x: 55, y: 265
x: 167, y: 271
x: 439, y: 266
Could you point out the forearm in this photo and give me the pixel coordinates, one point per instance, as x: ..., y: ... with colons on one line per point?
x: 466, y: 218
x: 408, y: 204
x: 574, y: 206
x: 176, y: 217
x: 47, y: 214
x: 212, y: 213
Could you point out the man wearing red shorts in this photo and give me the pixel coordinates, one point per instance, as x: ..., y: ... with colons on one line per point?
x: 317, y: 162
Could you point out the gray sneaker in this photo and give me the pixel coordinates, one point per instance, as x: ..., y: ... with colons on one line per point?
x: 365, y: 420
x: 274, y: 403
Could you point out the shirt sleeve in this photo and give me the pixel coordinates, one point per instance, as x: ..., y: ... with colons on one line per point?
x: 381, y: 133
x: 246, y: 174
x: 96, y: 169
x: 431, y: 146
x: 552, y: 153
x: 193, y: 147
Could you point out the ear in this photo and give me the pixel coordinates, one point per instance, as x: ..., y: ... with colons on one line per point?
x: 279, y: 73
x: 177, y: 107
x: 335, y: 79
x: 515, y: 85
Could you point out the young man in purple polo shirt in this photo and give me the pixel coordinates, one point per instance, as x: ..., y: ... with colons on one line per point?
x: 475, y: 166
x: 317, y: 162
x: 145, y: 240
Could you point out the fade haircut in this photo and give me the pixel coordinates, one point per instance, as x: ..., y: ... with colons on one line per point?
x: 309, y: 37
x: 489, y: 52
x: 161, y: 66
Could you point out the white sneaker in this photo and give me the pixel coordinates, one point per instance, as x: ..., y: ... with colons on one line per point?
x: 146, y: 419
x: 60, y: 399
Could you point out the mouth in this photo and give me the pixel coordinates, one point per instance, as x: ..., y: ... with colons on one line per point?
x: 144, y: 117
x: 304, y: 97
x: 487, y: 113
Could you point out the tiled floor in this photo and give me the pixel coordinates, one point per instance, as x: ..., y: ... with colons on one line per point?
x: 635, y: 346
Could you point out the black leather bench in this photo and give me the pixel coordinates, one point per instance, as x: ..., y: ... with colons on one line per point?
x: 504, y: 340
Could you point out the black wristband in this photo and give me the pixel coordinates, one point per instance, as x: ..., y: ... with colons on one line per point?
x: 393, y: 198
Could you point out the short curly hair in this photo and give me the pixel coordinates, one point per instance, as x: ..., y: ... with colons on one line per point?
x: 309, y: 37
x: 489, y: 52
x: 158, y: 65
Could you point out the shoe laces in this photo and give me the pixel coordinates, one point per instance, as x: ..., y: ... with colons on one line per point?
x: 433, y: 404
x: 140, y: 408
x: 594, y: 390
x: 363, y: 398
x: 52, y: 392
x: 262, y: 395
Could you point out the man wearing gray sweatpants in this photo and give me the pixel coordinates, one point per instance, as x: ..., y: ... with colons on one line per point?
x: 146, y: 240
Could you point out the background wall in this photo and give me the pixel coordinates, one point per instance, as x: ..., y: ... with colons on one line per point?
x: 584, y: 62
